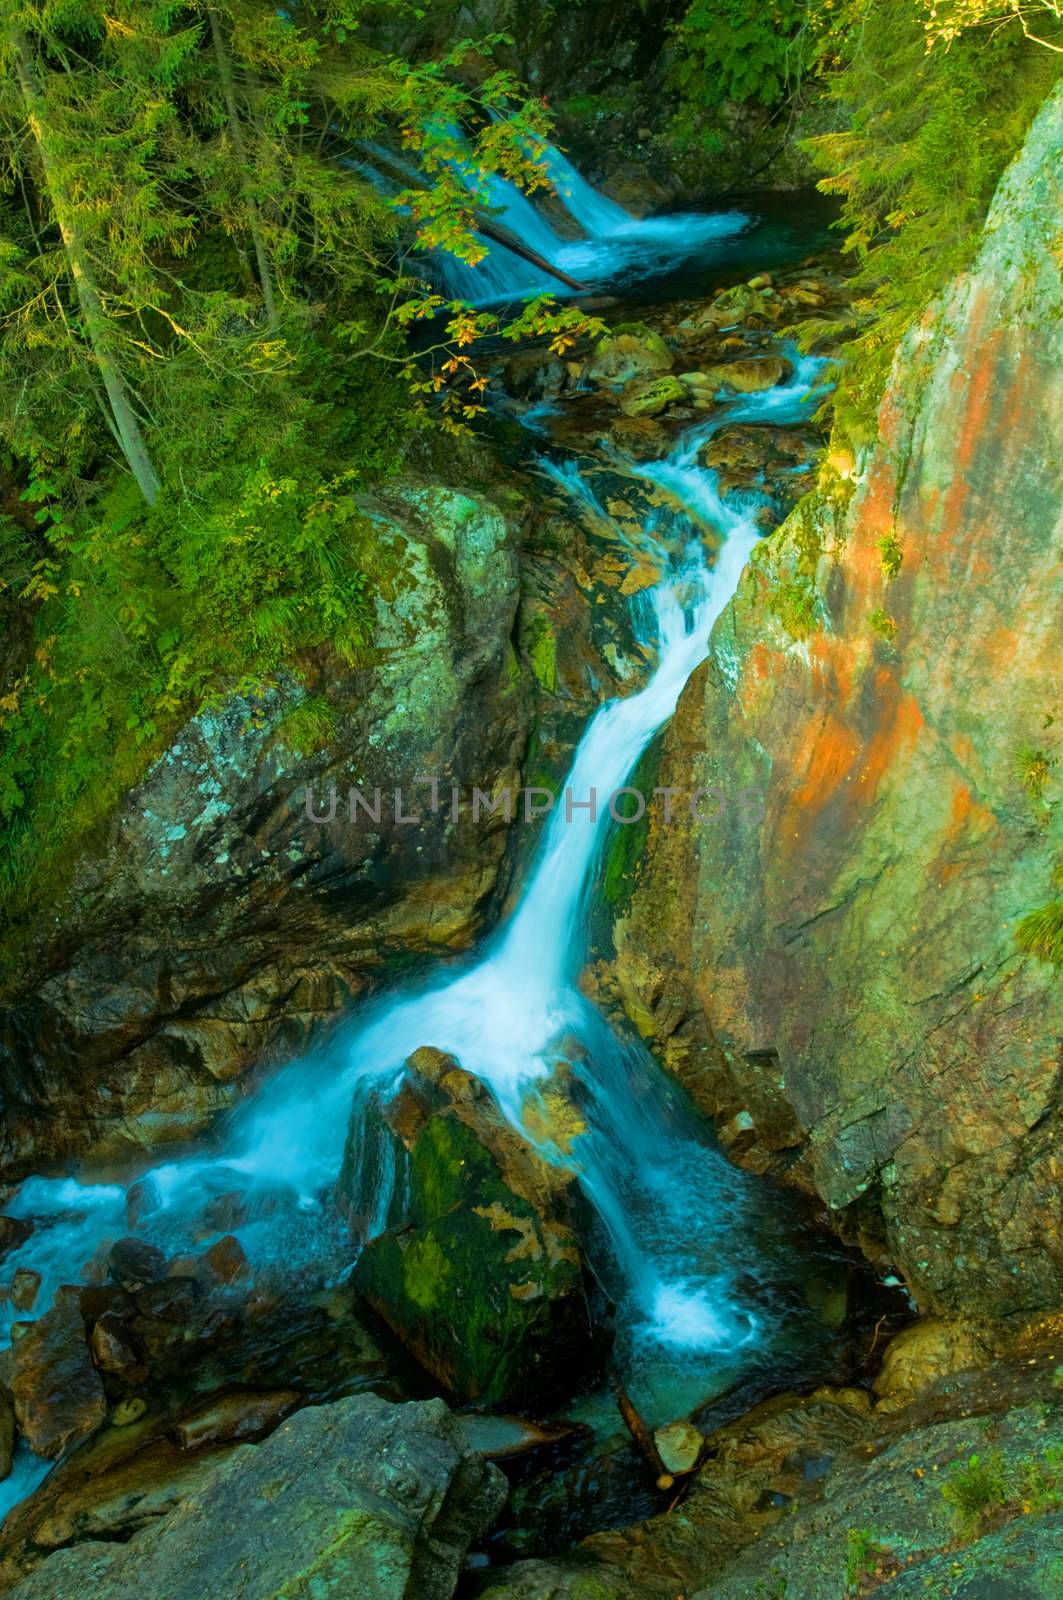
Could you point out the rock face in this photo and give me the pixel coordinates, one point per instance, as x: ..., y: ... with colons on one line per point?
x: 217, y: 923
x: 57, y: 1391
x: 831, y: 961
x: 476, y: 1269
x: 361, y: 1498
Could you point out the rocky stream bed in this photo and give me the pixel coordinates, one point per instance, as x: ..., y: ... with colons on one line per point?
x: 422, y: 1363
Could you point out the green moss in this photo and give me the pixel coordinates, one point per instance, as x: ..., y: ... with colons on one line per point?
x: 541, y: 646
x: 626, y: 842
x: 308, y: 727
x: 427, y: 1273
x: 974, y: 1489
x: 1040, y: 933
x: 883, y: 624
x: 862, y: 1554
x: 891, y: 555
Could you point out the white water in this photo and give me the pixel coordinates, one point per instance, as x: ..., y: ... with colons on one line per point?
x: 615, y: 248
x: 680, y: 1220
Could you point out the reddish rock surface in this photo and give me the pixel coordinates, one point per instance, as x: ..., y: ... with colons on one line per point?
x: 833, y: 963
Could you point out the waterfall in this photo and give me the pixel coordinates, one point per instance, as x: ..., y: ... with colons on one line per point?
x: 615, y: 248
x: 681, y: 1221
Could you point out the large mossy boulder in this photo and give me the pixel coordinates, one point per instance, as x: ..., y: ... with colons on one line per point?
x: 236, y: 902
x: 358, y: 1498
x: 471, y: 1258
x: 632, y: 351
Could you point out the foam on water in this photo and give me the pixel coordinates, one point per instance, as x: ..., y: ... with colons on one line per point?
x: 677, y: 1217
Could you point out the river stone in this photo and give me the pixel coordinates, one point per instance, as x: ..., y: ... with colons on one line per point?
x: 932, y: 1348
x: 636, y: 351
x: 647, y: 397
x: 679, y: 1446
x: 747, y: 376
x: 360, y: 1498
x: 57, y: 1391
x: 477, y: 1270
x: 134, y: 1261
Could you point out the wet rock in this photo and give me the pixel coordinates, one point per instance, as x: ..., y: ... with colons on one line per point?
x: 648, y: 397
x: 113, y: 1350
x: 7, y: 1432
x: 235, y: 1418
x: 24, y: 1287
x: 477, y: 1270
x: 745, y: 377
x: 360, y: 1497
x: 226, y: 1261
x: 634, y: 351
x: 679, y: 1446
x: 160, y: 979
x: 57, y: 1391
x: 846, y: 951
x: 133, y: 1262
x: 930, y: 1349
x: 14, y: 1231
x: 535, y: 375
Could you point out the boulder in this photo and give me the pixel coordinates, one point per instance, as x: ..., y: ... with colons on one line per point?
x: 634, y: 351
x: 57, y: 1391
x: 134, y: 1261
x: 161, y: 976
x: 932, y: 1348
x: 357, y: 1498
x: 14, y: 1231
x: 475, y: 1266
x: 646, y: 397
x: 747, y: 376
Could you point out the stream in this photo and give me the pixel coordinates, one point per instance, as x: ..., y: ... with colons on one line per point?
x: 699, y: 1257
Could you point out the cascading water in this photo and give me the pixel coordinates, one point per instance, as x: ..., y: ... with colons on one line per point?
x: 680, y: 1221
x: 615, y: 248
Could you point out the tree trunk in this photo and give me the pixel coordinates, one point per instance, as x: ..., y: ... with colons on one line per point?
x: 123, y: 419
x: 236, y: 133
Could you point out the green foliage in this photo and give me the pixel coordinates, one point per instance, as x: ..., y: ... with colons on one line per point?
x: 1040, y: 933
x: 974, y: 1490
x: 1033, y: 768
x: 891, y: 555
x: 308, y: 727
x: 926, y: 134
x: 882, y: 623
x: 862, y: 1553
x: 731, y: 50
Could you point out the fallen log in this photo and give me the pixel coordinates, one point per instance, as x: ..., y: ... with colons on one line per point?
x: 497, y: 232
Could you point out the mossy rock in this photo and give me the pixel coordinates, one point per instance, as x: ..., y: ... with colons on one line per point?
x: 647, y: 398
x: 476, y: 1268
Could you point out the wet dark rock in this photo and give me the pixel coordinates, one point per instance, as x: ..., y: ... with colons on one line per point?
x: 57, y: 1391
x: 478, y: 1271
x: 357, y: 1498
x: 24, y: 1286
x: 133, y: 1262
x: 160, y: 977
x: 234, y: 1418
x: 14, y: 1231
x: 7, y: 1431
x: 226, y: 1261
x: 113, y: 1350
